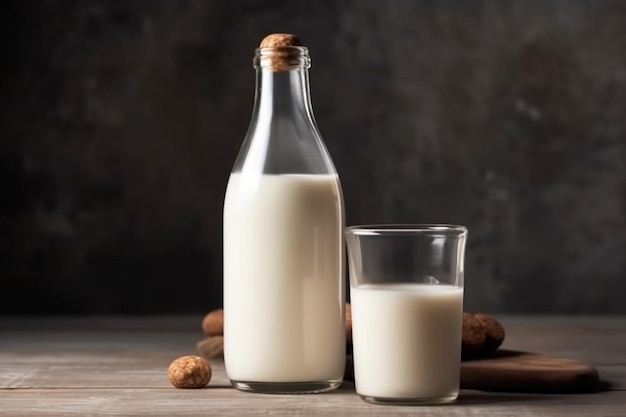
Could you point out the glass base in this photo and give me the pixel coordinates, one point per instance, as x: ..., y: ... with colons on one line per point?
x: 409, y: 401
x: 313, y: 387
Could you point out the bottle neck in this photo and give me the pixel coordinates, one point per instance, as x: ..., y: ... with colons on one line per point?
x: 283, y: 94
x: 282, y: 136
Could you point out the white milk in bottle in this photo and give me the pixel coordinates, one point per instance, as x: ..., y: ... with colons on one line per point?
x: 284, y: 295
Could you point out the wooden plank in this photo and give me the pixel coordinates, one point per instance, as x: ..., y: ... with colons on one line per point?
x: 97, y: 373
x: 183, y: 323
x: 90, y: 359
x: 229, y: 402
x: 135, y: 370
x: 614, y: 376
x: 598, y: 340
x: 70, y: 371
x: 576, y: 337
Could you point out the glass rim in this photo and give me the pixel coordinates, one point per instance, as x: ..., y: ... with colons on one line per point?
x: 429, y: 229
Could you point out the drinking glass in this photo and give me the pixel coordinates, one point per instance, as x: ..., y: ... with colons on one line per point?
x: 406, y: 285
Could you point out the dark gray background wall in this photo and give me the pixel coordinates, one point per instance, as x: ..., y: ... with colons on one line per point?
x: 120, y: 121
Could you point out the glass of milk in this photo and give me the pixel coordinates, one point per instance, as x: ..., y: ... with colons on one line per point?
x: 406, y: 284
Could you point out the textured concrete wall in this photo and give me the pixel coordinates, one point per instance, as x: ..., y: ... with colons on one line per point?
x: 120, y: 121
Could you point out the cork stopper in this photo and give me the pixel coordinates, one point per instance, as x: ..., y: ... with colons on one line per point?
x: 281, y: 52
x: 274, y: 40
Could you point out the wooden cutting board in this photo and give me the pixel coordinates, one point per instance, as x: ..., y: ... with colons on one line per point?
x: 508, y: 370
x: 513, y: 371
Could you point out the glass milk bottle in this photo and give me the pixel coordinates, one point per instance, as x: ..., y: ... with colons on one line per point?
x: 284, y: 326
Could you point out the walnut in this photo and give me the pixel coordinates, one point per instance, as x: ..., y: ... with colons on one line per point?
x: 482, y: 334
x: 494, y: 332
x: 213, y: 323
x: 211, y: 346
x: 189, y: 372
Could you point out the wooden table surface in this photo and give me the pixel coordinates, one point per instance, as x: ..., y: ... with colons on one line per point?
x: 117, y: 366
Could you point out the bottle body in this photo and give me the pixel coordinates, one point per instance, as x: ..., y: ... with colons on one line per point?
x: 283, y: 298
x: 284, y: 328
